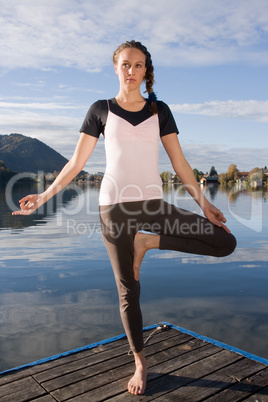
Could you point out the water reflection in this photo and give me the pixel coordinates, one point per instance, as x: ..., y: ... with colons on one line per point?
x: 10, y: 202
x: 57, y: 290
x: 44, y: 322
x: 226, y: 301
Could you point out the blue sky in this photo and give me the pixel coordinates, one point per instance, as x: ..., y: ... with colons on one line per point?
x: 210, y: 60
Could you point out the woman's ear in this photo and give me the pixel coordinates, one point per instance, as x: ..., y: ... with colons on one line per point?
x: 115, y: 68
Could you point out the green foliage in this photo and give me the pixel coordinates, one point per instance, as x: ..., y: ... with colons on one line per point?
x: 198, y: 174
x: 213, y: 171
x: 230, y: 177
x: 165, y: 176
x: 223, y: 179
x: 5, y: 173
x: 232, y: 173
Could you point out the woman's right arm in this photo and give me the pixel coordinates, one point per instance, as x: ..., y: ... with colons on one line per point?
x: 83, y: 150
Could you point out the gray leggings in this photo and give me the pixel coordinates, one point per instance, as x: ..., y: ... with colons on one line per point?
x: 179, y: 230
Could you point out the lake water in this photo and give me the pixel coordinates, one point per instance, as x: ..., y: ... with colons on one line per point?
x: 57, y: 290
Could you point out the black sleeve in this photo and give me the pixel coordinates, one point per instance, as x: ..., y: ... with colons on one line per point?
x: 95, y: 119
x: 166, y: 120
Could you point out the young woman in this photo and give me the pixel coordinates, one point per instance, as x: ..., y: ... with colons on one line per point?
x: 131, y: 199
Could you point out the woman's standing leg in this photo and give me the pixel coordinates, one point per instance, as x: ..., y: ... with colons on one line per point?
x: 118, y: 236
x: 118, y: 229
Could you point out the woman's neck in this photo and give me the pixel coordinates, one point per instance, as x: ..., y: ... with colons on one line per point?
x: 130, y: 101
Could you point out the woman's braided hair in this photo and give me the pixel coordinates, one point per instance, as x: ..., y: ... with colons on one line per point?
x: 149, y: 75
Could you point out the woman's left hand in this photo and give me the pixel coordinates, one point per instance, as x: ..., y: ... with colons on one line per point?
x: 215, y: 216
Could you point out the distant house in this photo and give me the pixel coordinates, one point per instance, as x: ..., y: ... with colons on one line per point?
x: 256, y: 179
x: 256, y: 183
x: 209, y: 180
x: 98, y: 177
x: 243, y: 177
x: 174, y: 179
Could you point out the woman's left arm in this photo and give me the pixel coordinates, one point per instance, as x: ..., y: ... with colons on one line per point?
x: 185, y: 173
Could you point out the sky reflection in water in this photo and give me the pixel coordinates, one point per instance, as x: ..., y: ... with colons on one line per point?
x: 57, y: 290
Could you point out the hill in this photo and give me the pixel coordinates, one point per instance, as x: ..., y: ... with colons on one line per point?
x: 26, y: 154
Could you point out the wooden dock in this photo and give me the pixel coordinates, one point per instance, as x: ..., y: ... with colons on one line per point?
x: 182, y: 367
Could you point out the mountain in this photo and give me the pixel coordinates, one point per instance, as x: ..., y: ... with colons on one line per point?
x: 26, y: 154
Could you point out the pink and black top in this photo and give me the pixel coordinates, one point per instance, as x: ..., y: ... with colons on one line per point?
x: 132, y: 149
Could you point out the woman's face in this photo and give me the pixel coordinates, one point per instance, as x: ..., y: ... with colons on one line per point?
x: 130, y: 68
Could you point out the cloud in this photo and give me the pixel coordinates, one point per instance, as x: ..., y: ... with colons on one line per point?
x: 59, y: 131
x: 83, y: 34
x: 203, y: 156
x: 55, y: 124
x: 246, y: 109
x: 37, y: 105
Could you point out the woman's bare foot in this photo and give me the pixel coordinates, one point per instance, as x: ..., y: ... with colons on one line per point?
x: 137, y: 383
x: 142, y: 243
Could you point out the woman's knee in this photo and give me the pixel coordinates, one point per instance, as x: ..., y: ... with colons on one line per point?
x: 228, y: 245
x: 129, y: 295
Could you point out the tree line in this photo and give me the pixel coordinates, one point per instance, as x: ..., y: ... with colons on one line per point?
x: 232, y: 176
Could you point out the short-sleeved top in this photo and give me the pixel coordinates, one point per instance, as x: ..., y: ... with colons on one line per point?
x: 132, y: 149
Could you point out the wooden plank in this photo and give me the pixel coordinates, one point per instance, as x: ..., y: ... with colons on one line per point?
x: 67, y: 364
x: 181, y: 367
x: 120, y: 343
x: 61, y: 361
x: 114, y: 389
x: 261, y: 396
x: 8, y: 377
x: 246, y: 386
x: 169, y: 387
x: 116, y: 373
x: 65, y: 375
x: 12, y: 377
x: 22, y: 390
x: 114, y: 347
x: 46, y: 398
x: 218, y: 380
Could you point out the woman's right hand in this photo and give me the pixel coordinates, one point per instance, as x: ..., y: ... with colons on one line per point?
x: 29, y: 204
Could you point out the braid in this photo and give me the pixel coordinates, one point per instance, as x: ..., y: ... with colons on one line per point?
x: 149, y: 75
